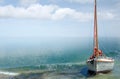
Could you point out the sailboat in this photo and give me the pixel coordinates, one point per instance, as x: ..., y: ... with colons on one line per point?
x: 98, y: 62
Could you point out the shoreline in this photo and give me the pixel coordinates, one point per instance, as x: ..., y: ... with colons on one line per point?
x: 7, y: 75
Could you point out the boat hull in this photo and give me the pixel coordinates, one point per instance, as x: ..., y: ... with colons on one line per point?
x: 100, y: 65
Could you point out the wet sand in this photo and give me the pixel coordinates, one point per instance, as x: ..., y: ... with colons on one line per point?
x: 52, y: 75
x: 2, y: 76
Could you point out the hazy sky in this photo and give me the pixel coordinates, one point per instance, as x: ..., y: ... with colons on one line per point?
x: 58, y: 18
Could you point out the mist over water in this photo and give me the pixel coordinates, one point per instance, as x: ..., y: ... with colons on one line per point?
x: 19, y: 52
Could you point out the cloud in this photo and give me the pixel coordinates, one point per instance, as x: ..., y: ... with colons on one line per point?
x: 48, y: 12
x: 80, y: 1
x: 34, y: 11
x: 61, y: 13
x: 37, y: 11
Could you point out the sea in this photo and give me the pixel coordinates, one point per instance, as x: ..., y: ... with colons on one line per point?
x: 55, y: 57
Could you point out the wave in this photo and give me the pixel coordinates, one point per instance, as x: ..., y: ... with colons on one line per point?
x: 49, y: 67
x: 9, y: 73
x: 61, y: 66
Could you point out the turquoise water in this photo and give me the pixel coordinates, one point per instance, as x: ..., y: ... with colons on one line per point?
x: 66, y: 55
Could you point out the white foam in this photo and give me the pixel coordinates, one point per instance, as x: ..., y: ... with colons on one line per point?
x: 9, y: 73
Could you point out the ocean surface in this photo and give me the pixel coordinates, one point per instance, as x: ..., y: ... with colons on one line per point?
x: 55, y: 58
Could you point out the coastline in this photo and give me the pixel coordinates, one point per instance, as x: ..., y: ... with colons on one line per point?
x: 7, y: 75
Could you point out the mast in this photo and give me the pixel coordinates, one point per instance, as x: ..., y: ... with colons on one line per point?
x: 97, y: 52
x: 95, y: 30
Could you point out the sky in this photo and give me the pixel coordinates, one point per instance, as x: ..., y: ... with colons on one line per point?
x: 58, y: 18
